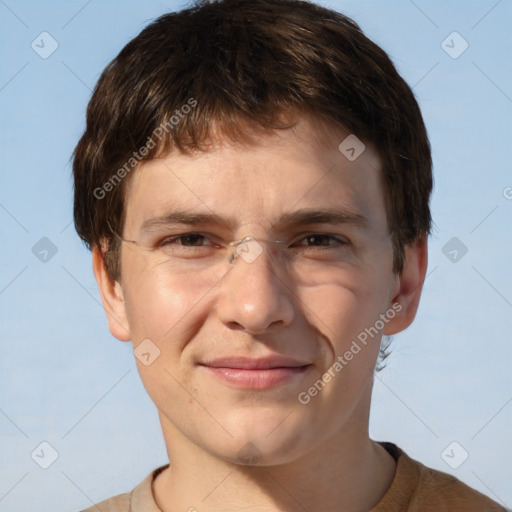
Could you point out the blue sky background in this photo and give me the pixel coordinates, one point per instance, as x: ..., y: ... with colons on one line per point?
x: 66, y: 381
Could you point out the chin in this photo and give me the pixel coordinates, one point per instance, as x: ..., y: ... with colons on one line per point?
x: 257, y: 444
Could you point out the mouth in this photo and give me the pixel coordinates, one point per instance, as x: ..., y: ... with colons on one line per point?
x: 244, y: 373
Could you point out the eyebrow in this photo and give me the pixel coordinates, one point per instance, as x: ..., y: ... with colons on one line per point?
x: 297, y: 218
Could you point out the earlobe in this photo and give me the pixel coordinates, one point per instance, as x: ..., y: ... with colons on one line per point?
x: 112, y: 297
x: 408, y: 287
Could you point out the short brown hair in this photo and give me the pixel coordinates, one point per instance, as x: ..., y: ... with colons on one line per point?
x: 244, y: 63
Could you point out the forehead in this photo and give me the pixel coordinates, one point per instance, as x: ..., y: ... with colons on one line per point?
x: 308, y: 166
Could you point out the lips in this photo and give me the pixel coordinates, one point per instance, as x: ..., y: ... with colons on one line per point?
x: 256, y: 364
x: 256, y: 374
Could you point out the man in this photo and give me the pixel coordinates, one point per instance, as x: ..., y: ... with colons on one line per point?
x: 254, y: 183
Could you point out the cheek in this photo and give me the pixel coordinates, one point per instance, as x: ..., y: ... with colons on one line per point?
x: 347, y: 305
x: 170, y: 315
x: 157, y: 306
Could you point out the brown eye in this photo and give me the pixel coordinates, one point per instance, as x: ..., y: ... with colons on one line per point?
x: 187, y: 245
x: 322, y: 240
x: 190, y: 239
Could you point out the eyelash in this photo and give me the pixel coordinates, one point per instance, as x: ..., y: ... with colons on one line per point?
x: 340, y: 241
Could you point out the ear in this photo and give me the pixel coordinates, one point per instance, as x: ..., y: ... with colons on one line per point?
x: 112, y: 297
x: 409, y: 284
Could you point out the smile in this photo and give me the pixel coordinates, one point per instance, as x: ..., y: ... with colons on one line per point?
x: 256, y: 379
x: 255, y: 373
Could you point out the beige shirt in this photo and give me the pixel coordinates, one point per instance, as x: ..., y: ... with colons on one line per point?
x: 415, y: 488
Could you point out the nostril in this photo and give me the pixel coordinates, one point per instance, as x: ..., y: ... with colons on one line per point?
x: 235, y: 326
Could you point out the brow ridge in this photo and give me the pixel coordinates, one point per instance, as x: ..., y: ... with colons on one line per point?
x: 297, y: 218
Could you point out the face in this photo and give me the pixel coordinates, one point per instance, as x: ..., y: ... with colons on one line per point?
x: 270, y: 356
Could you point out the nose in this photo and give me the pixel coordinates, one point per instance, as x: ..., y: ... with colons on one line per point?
x: 254, y: 295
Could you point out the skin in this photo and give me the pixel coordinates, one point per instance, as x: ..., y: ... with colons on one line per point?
x: 316, y: 456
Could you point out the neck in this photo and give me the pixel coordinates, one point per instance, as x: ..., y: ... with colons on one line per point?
x: 348, y: 472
